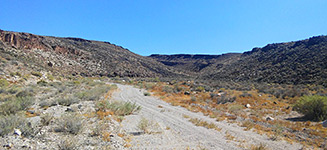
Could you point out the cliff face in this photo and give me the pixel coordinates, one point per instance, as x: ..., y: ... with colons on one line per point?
x: 80, y: 56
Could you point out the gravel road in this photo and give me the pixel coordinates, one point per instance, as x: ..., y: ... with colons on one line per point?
x: 171, y: 130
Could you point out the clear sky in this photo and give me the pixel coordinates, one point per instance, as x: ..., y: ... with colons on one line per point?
x: 170, y: 26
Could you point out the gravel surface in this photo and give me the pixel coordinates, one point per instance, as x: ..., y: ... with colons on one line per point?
x: 168, y: 128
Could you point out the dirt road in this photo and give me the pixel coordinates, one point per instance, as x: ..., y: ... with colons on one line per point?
x: 171, y: 130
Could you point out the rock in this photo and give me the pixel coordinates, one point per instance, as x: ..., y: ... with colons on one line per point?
x: 324, y: 124
x: 31, y: 111
x: 247, y: 105
x: 9, y: 146
x: 34, y: 121
x: 269, y: 118
x: 17, y: 132
x: 69, y: 109
x: 187, y: 93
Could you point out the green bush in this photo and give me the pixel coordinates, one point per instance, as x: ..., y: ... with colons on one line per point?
x: 15, y: 105
x: 94, y: 94
x: 119, y: 108
x: 313, y: 107
x: 3, y: 83
x: 42, y: 83
x: 70, y: 123
x: 37, y: 74
x: 10, y: 122
x: 67, y: 101
x: 147, y: 94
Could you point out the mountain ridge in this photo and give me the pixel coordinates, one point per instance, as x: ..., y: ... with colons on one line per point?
x: 296, y: 62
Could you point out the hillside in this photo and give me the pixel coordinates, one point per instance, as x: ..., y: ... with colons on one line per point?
x: 194, y: 64
x: 300, y: 62
x: 79, y: 56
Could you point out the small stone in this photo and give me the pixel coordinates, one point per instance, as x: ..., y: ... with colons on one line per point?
x: 17, y: 132
x: 31, y: 111
x: 8, y: 145
x: 269, y: 118
x: 79, y: 106
x: 69, y: 109
x: 247, y: 105
x: 324, y: 124
x: 187, y: 93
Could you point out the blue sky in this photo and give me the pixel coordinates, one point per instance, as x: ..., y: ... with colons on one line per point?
x: 170, y: 26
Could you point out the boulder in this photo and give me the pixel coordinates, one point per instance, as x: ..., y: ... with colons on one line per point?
x: 324, y: 124
x: 269, y: 118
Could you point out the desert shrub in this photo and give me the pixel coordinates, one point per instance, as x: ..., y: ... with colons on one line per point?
x: 147, y: 94
x: 261, y: 146
x: 177, y: 89
x: 13, y: 90
x: 10, y: 122
x: 25, y: 93
x: 235, y: 108
x: 246, y: 94
x: 42, y: 83
x: 67, y: 144
x: 50, y: 77
x: 168, y: 89
x: 200, y: 88
x: 223, y: 99
x: 119, y: 108
x: 193, y: 98
x: 199, y: 122
x: 46, y: 119
x: 15, y: 105
x: 67, y: 101
x: 248, y: 124
x: 149, y: 86
x: 3, y: 83
x: 15, y: 74
x: 143, y: 125
x: 69, y: 123
x: 37, y: 74
x: 278, y: 132
x: 313, y: 107
x: 47, y: 103
x: 93, y: 94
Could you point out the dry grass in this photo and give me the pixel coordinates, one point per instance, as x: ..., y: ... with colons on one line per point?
x: 118, y: 108
x: 144, y: 125
x: 199, y: 122
x: 262, y: 105
x: 261, y: 146
x: 248, y: 125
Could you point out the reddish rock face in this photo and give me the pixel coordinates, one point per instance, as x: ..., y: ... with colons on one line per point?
x: 22, y: 40
x: 75, y: 55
